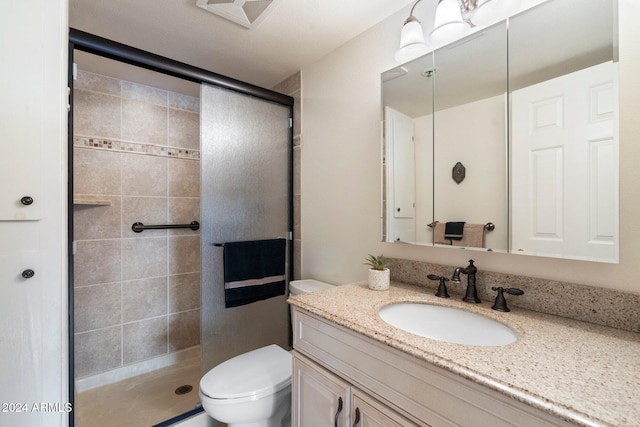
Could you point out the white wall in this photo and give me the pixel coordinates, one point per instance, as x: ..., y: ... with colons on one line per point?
x: 340, y: 177
x: 473, y: 134
x: 33, y: 312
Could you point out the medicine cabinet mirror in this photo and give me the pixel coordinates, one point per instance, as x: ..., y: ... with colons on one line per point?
x: 512, y: 130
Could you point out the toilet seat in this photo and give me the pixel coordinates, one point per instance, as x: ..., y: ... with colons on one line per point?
x: 249, y: 376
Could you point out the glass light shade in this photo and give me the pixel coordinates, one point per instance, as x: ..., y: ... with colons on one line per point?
x: 449, y: 24
x: 489, y: 11
x: 412, y: 42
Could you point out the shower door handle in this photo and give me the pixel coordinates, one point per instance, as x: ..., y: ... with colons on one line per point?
x: 338, y: 411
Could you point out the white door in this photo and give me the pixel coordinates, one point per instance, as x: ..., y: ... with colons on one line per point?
x: 401, y: 193
x: 564, y: 194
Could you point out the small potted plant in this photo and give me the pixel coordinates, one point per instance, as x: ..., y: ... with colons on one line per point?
x: 378, y: 278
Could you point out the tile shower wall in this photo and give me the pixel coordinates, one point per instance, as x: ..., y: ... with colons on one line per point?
x: 292, y: 86
x: 136, y: 159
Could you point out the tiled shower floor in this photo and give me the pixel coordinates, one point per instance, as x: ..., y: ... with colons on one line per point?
x: 140, y: 401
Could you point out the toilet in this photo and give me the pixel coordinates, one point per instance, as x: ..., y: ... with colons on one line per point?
x: 254, y: 388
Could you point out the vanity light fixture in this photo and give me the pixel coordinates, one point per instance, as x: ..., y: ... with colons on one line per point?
x: 453, y: 19
x: 412, y: 42
x: 449, y: 23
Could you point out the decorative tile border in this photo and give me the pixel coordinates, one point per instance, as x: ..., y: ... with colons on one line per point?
x: 602, y: 306
x: 135, y: 147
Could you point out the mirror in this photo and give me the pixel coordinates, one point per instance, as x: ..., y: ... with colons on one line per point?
x: 470, y: 141
x: 564, y: 130
x: 408, y: 152
x: 458, y: 144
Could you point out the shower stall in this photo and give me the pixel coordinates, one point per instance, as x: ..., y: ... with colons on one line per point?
x: 168, y: 162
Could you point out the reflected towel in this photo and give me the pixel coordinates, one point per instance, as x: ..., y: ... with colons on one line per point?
x: 473, y: 236
x: 253, y: 271
x: 438, y: 234
x: 454, y: 230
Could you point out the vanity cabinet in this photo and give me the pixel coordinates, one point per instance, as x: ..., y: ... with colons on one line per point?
x: 321, y: 398
x: 389, y: 387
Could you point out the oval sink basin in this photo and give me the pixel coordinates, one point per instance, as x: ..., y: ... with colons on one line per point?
x: 447, y: 324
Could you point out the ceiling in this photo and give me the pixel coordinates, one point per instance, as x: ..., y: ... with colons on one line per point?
x: 293, y: 34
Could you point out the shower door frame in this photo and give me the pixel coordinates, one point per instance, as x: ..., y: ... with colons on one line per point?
x: 90, y: 43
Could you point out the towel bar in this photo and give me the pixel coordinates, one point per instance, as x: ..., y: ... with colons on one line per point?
x: 488, y: 226
x: 138, y: 227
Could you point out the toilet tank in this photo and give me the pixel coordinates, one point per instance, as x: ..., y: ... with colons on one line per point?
x: 297, y: 287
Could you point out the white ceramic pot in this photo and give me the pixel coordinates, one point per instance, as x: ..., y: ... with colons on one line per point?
x: 378, y: 279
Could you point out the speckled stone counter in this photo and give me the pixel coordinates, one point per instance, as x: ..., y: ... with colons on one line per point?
x: 581, y: 372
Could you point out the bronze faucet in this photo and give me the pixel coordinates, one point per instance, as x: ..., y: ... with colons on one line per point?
x: 471, y: 295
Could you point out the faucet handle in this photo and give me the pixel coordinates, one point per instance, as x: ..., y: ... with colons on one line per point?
x: 501, y: 303
x: 442, y: 287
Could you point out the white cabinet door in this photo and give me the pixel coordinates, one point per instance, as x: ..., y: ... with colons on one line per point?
x: 33, y: 137
x: 319, y: 397
x: 22, y: 330
x: 565, y: 166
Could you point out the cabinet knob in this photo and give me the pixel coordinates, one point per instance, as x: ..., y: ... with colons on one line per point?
x: 28, y: 273
x: 26, y: 200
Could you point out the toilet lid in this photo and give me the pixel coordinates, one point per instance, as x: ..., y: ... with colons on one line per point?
x: 305, y: 286
x: 254, y: 374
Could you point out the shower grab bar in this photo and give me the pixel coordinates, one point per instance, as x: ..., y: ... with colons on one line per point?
x: 138, y: 227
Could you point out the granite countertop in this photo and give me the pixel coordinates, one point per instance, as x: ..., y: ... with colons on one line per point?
x: 584, y: 373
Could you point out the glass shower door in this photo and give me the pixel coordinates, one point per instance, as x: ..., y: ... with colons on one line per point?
x: 245, y: 195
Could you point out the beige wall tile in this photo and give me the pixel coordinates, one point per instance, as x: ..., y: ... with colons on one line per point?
x: 184, y: 292
x: 96, y: 172
x: 138, y: 186
x: 144, y: 257
x: 297, y: 254
x: 98, y: 221
x: 184, y: 102
x: 184, y: 254
x: 147, y: 210
x: 184, y: 129
x: 144, y: 93
x: 142, y: 299
x: 144, y: 339
x: 184, y: 330
x: 144, y: 175
x: 98, y: 83
x: 289, y: 85
x: 184, y: 178
x: 97, y: 351
x: 96, y: 114
x: 296, y: 171
x: 183, y: 210
x: 96, y: 307
x: 143, y: 122
x: 97, y: 261
x: 297, y: 229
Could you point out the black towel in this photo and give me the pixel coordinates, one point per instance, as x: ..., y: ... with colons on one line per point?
x: 453, y: 230
x: 253, y: 271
